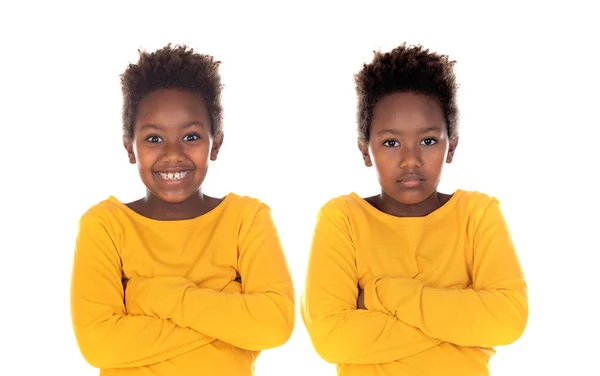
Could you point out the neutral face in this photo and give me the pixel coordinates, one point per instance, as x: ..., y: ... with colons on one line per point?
x: 408, y: 146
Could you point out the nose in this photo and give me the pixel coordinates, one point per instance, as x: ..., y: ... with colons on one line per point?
x: 173, y: 152
x: 410, y: 157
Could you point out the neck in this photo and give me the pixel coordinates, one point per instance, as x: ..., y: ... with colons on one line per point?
x: 392, y: 207
x: 158, y: 209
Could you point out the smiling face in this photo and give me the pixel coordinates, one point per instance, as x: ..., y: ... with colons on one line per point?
x: 172, y: 144
x: 408, y: 145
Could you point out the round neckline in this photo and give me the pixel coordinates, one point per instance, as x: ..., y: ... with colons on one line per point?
x: 439, y: 212
x: 209, y: 214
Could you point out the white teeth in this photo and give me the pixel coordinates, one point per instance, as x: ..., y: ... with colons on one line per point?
x: 173, y: 175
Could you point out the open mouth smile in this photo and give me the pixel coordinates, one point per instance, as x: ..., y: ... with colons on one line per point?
x: 173, y: 176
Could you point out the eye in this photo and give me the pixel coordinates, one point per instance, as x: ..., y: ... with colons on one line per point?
x: 153, y: 139
x: 191, y: 137
x: 429, y: 142
x: 390, y: 143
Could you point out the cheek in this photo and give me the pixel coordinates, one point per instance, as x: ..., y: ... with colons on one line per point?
x: 435, y: 158
x: 385, y: 162
x: 146, y: 156
x: 199, y: 154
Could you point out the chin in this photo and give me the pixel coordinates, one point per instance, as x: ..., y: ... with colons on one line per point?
x: 409, y: 200
x: 173, y: 200
x: 173, y: 197
x: 410, y: 197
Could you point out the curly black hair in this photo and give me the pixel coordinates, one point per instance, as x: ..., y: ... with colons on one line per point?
x: 406, y: 69
x: 172, y: 67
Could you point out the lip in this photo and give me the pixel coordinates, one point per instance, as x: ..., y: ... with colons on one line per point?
x: 411, y: 180
x: 173, y: 169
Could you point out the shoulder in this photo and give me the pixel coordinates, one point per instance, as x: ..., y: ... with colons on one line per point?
x: 478, y: 207
x: 350, y: 205
x: 110, y: 213
x: 244, y: 203
x: 344, y: 212
x: 475, y: 202
x: 103, y: 210
x: 105, y: 217
x: 248, y: 217
x: 342, y: 204
x: 245, y: 209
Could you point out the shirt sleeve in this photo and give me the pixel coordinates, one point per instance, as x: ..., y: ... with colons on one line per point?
x: 106, y: 335
x: 340, y: 333
x: 492, y: 312
x: 260, y: 317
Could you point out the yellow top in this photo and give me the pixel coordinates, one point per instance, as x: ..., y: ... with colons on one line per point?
x: 184, y: 313
x: 440, y: 290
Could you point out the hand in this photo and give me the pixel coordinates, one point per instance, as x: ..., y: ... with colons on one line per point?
x: 360, y: 303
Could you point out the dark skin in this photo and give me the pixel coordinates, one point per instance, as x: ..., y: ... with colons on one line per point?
x: 172, y: 145
x: 360, y: 303
x: 408, y: 146
x: 172, y: 138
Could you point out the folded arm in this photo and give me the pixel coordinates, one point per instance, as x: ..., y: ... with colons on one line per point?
x: 339, y: 331
x: 258, y: 318
x: 492, y: 312
x: 106, y: 335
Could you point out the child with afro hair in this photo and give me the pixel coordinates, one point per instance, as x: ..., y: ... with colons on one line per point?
x: 411, y: 281
x: 177, y: 282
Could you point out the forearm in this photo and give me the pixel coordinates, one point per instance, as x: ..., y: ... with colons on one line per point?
x: 363, y: 337
x: 466, y: 317
x: 121, y: 341
x: 254, y: 321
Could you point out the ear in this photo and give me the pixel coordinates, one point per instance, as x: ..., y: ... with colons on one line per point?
x: 128, y: 144
x: 216, y: 146
x: 364, y: 150
x: 451, y: 150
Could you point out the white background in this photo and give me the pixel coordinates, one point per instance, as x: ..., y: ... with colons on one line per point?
x: 529, y: 134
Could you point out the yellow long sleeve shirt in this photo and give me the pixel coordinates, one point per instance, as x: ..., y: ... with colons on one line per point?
x: 183, y: 312
x: 441, y: 291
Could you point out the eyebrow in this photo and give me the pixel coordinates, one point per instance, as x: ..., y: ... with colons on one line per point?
x: 159, y: 128
x: 399, y: 132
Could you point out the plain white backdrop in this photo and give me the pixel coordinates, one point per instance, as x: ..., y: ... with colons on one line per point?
x: 529, y: 133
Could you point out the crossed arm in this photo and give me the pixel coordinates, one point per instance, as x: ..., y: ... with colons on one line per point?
x: 168, y: 316
x: 341, y: 333
x: 404, y: 316
x: 493, y: 312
